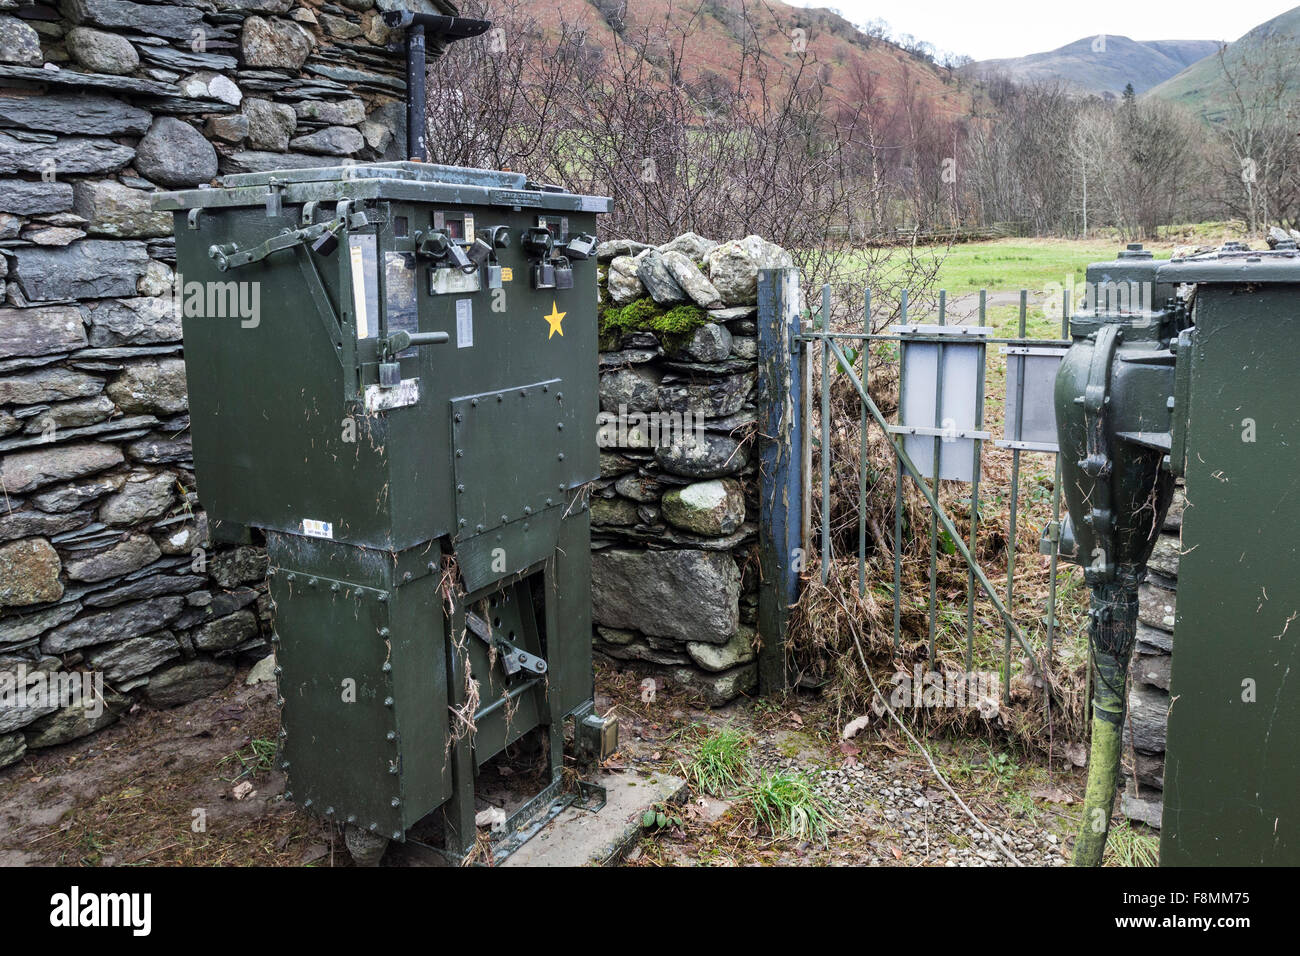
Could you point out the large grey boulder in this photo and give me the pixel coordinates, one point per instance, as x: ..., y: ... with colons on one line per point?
x: 77, y: 720
x: 75, y: 414
x: 173, y: 153
x: 48, y: 385
x: 34, y: 704
x: 261, y: 161
x: 101, y: 52
x: 712, y: 508
x: 148, y: 19
x: 614, y: 248
x: 29, y: 523
x: 733, y: 267
x: 613, y: 512
x: 69, y: 497
x: 349, y: 112
x: 1149, y: 810
x: 225, y: 632
x: 683, y: 595
x: 1148, y: 709
x: 20, y: 628
x: 232, y: 128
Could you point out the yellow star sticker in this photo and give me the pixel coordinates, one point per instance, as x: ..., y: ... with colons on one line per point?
x: 555, y: 318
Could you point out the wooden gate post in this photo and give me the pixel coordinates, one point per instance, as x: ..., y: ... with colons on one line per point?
x: 781, y: 478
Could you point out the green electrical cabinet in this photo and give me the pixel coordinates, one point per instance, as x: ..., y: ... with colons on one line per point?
x: 1232, y: 767
x: 392, y: 375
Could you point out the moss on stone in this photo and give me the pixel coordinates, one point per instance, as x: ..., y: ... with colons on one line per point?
x: 673, y: 327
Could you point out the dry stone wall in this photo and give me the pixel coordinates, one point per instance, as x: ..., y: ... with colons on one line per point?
x: 675, y: 512
x: 1148, y: 698
x: 103, y: 559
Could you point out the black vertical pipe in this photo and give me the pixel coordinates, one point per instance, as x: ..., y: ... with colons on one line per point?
x: 415, y: 105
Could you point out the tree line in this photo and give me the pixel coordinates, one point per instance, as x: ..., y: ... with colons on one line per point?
x: 765, y: 143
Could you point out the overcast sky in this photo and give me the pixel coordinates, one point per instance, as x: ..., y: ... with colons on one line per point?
x: 1002, y: 28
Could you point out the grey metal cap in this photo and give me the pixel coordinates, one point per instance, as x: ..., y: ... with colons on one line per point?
x: 1234, y: 267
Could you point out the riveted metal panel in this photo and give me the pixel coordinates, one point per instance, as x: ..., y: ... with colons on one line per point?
x: 516, y: 452
x: 1232, y: 769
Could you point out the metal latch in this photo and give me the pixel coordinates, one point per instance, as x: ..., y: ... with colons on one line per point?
x: 513, y: 659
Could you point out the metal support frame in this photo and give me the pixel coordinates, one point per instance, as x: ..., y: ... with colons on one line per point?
x: 781, y: 456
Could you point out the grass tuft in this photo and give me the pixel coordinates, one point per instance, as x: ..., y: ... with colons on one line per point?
x: 720, y: 764
x: 1129, y: 846
x: 788, y: 805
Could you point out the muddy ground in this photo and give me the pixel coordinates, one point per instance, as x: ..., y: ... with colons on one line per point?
x: 168, y: 788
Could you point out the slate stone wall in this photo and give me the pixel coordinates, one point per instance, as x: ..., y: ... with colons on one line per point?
x: 103, y: 558
x: 675, y: 512
x: 1148, y: 697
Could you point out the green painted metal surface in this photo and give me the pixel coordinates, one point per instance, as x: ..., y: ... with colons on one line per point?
x: 375, y: 464
x: 1232, y: 768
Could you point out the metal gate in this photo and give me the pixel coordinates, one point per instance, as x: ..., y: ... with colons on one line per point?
x: 938, y: 436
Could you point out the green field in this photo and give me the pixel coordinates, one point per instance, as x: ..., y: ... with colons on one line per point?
x: 1009, y: 265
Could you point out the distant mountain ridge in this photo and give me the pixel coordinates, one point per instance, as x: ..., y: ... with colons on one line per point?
x: 1105, y: 64
x: 1203, y: 86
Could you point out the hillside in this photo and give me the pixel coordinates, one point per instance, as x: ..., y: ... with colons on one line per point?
x: 1089, y: 69
x: 1269, y: 50
x: 839, y: 51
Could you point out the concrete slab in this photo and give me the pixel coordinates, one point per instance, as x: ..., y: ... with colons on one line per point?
x: 581, y: 838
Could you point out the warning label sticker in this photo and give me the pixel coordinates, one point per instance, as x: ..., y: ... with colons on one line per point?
x: 318, y: 529
x: 464, y: 323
